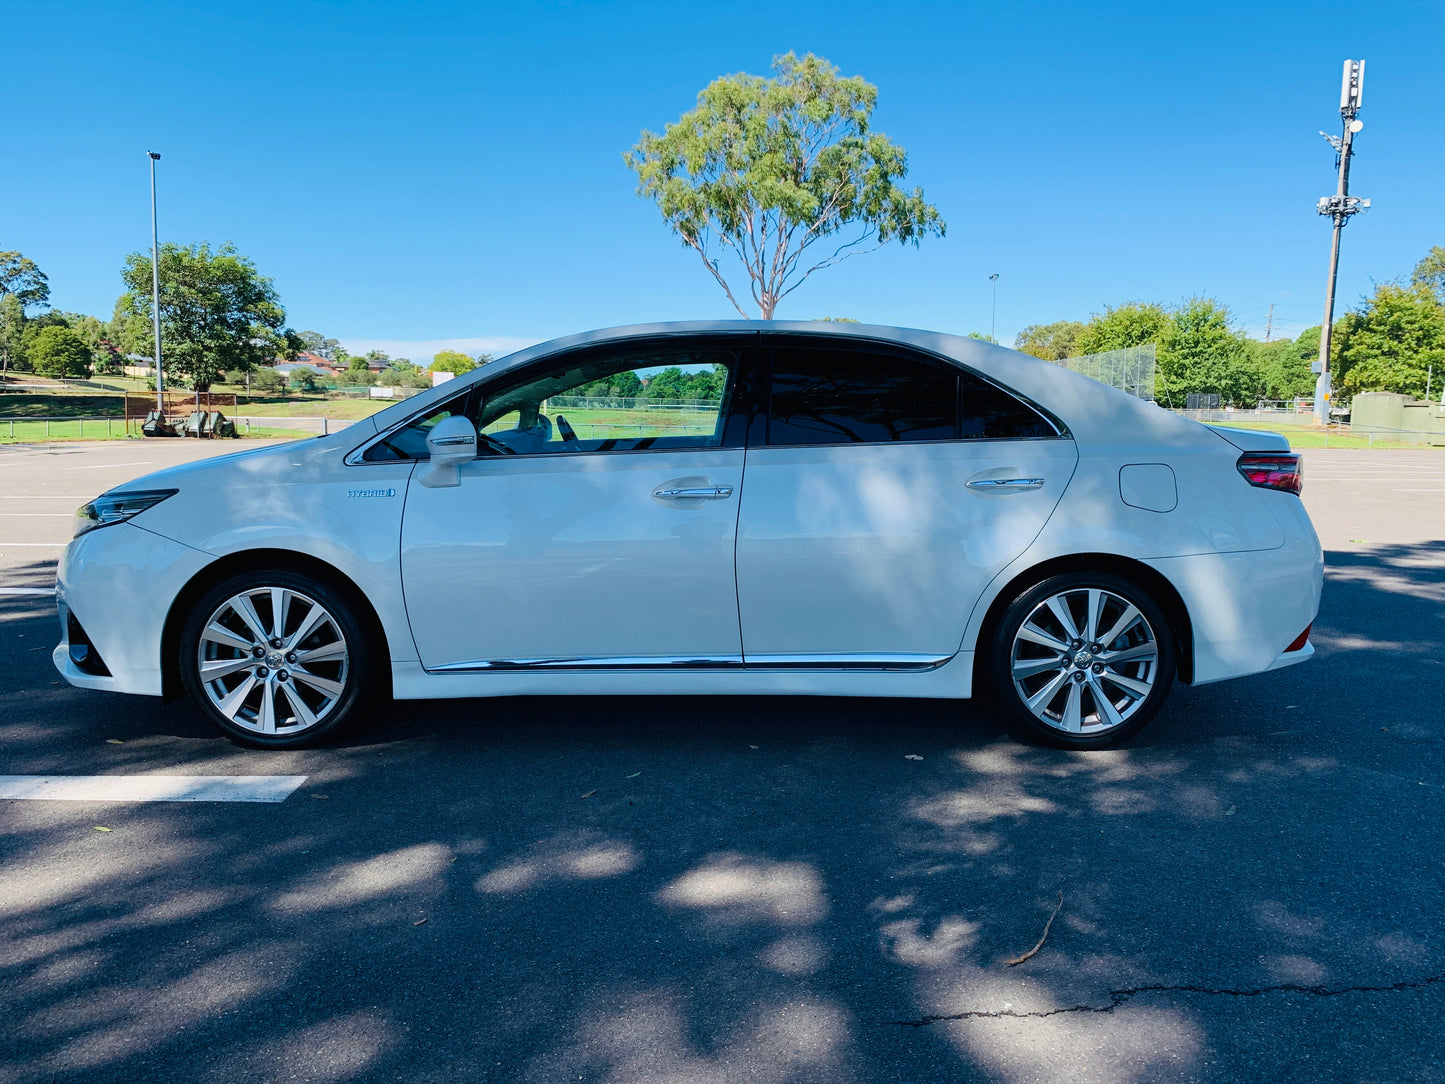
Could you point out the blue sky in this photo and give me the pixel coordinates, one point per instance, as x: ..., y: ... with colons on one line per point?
x: 413, y: 174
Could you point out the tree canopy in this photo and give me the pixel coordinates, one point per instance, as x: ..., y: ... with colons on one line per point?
x: 454, y: 361
x: 1391, y: 342
x: 767, y: 169
x: 1052, y: 342
x: 22, y: 280
x: 314, y: 342
x: 59, y: 352
x: 218, y: 312
x: 1430, y: 272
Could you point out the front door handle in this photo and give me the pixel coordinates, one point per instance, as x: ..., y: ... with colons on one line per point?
x: 1004, y: 485
x: 693, y: 493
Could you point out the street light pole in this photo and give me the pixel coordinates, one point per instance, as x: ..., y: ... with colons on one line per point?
x: 156, y: 288
x: 993, y: 309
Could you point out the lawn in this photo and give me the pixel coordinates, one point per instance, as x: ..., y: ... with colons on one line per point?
x: 1304, y: 435
x: 65, y: 404
x: 21, y: 431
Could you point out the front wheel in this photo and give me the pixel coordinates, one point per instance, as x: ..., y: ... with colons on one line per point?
x: 1083, y: 660
x: 275, y: 659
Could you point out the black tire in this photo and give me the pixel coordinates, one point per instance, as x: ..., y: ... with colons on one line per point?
x: 1035, y: 672
x: 309, y: 697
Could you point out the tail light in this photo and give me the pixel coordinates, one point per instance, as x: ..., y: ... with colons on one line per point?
x: 1273, y: 470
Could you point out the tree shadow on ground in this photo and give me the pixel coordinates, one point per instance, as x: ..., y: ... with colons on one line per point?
x: 644, y: 889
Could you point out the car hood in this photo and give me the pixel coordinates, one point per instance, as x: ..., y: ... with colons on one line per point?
x: 294, y: 461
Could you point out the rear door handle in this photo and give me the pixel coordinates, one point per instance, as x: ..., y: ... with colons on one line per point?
x: 693, y: 493
x: 1004, y: 485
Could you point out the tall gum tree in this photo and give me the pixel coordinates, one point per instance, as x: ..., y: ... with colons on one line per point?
x: 784, y: 173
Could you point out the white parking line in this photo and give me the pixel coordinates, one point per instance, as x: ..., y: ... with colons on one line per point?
x: 52, y: 545
x: 46, y: 591
x: 41, y: 515
x: 108, y: 466
x: 150, y: 788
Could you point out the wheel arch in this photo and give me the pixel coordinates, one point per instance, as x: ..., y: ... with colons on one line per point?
x: 1148, y: 578
x: 173, y: 688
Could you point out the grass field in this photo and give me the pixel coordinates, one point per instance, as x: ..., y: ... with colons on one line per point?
x: 21, y: 431
x: 1302, y: 435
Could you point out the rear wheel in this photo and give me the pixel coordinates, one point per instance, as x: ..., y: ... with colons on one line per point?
x: 275, y: 659
x: 1083, y: 660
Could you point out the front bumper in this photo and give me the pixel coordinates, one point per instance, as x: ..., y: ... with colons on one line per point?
x: 120, y: 582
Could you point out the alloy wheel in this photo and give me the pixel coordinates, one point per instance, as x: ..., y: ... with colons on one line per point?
x: 273, y: 660
x: 1084, y: 661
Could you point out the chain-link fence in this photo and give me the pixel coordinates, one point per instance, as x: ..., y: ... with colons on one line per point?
x: 1130, y: 369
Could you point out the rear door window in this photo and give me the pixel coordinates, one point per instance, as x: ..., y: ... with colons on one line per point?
x: 845, y: 394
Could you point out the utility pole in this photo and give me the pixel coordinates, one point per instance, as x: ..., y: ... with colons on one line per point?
x: 156, y: 288
x: 1269, y: 325
x: 1340, y: 207
x: 993, y: 309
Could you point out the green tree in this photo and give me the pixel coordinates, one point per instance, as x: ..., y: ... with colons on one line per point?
x: 12, y: 333
x: 60, y: 352
x: 1391, y: 342
x: 357, y: 371
x: 623, y: 385
x: 22, y: 280
x: 267, y: 379
x: 1430, y: 272
x: 313, y: 342
x: 452, y: 361
x: 769, y: 168
x: 1052, y: 342
x: 22, y: 286
x: 1284, y: 364
x: 303, y: 378
x: 218, y: 312
x: 1199, y: 351
x: 1134, y: 323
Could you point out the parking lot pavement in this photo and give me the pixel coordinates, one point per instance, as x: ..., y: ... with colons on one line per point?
x: 762, y: 889
x: 41, y: 486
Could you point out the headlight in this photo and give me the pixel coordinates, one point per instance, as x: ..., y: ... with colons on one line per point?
x: 111, y: 508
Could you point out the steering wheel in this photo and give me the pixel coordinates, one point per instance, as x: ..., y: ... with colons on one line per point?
x: 567, y: 433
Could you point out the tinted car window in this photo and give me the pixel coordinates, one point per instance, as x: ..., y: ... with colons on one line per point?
x: 409, y: 442
x: 836, y: 396
x: 985, y: 411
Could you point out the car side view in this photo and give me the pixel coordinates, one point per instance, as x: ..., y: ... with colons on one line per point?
x: 709, y: 508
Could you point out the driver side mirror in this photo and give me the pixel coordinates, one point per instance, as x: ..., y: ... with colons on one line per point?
x: 451, y: 442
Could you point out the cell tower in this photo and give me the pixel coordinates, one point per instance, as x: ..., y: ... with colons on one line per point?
x: 1340, y: 207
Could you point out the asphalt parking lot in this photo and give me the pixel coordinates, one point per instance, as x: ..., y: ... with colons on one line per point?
x: 746, y: 889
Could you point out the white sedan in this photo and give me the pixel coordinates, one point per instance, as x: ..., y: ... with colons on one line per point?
x: 722, y: 507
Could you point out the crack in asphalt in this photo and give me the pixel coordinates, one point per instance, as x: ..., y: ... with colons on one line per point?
x: 1120, y: 997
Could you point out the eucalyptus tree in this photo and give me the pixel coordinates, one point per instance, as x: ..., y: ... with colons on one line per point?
x: 785, y: 174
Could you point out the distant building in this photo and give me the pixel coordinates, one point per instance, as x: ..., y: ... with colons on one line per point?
x: 307, y: 360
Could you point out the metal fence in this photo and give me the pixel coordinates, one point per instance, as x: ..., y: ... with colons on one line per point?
x: 593, y: 402
x: 1131, y: 370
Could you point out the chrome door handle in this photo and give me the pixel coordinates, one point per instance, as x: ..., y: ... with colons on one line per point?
x: 691, y: 493
x: 1004, y: 484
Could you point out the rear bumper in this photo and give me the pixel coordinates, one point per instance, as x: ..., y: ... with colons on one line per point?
x: 1246, y: 609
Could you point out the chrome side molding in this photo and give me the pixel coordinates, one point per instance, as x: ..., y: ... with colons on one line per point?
x: 886, y: 662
